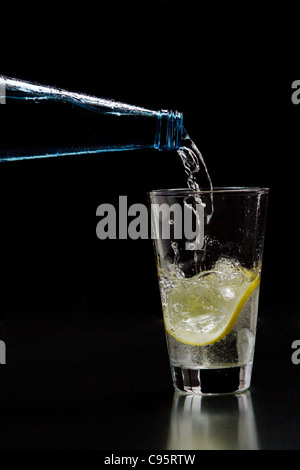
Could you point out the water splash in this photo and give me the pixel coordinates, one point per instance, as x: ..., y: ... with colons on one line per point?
x: 196, y: 170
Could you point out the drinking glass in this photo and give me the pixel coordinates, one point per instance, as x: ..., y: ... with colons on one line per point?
x: 208, y: 247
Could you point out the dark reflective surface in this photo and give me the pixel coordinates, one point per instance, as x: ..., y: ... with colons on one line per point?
x: 82, y: 383
x: 212, y: 423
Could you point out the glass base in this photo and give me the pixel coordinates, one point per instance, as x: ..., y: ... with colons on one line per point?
x: 212, y: 381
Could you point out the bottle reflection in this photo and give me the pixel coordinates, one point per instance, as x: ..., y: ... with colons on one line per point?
x: 212, y: 422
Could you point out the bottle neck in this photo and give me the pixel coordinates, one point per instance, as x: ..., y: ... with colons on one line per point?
x: 138, y: 128
x: 169, y: 130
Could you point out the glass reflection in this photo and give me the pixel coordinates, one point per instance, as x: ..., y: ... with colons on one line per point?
x: 212, y: 422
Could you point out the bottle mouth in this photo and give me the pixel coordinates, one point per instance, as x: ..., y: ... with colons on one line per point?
x: 169, y: 130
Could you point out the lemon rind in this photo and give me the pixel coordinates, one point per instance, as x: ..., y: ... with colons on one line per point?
x: 231, y: 322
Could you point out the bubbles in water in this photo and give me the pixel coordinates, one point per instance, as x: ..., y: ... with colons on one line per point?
x: 174, y: 245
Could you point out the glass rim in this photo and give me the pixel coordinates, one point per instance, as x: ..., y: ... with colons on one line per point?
x: 218, y: 189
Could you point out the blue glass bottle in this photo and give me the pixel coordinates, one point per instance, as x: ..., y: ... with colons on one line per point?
x: 38, y: 122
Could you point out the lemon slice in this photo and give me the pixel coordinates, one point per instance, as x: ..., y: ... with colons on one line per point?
x: 203, y: 309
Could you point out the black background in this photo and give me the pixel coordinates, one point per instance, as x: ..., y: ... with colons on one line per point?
x: 235, y: 94
x: 240, y: 116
